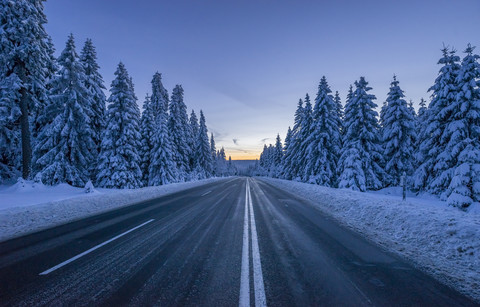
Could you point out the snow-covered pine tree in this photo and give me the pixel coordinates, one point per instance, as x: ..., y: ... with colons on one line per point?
x: 162, y: 166
x: 25, y: 62
x: 178, y: 127
x: 147, y: 123
x: 324, y: 142
x: 432, y: 154
x: 10, y: 138
x: 286, y: 152
x: 360, y: 162
x: 278, y: 153
x: 288, y: 165
x: 221, y: 163
x: 95, y: 86
x: 301, y: 157
x: 119, y: 158
x: 339, y: 109
x: 65, y: 147
x: 422, y: 109
x: 194, y: 127
x: 232, y: 170
x: 38, y: 117
x: 203, y: 158
x: 398, y: 135
x: 162, y: 169
x: 159, y: 97
x: 463, y: 132
x: 213, y: 151
x: 277, y: 157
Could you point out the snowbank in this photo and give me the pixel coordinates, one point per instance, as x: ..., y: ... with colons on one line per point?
x: 28, y: 207
x: 441, y: 240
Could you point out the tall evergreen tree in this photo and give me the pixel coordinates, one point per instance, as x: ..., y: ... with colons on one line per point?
x: 203, y: 152
x: 360, y: 162
x: 431, y: 175
x: 159, y: 97
x: 301, y: 158
x: 10, y: 138
x: 179, y: 128
x: 286, y: 152
x: 339, y: 109
x: 278, y: 154
x: 324, y: 142
x: 65, y: 149
x: 289, y: 164
x: 463, y: 133
x: 25, y: 62
x: 147, y: 125
x: 119, y: 158
x: 398, y: 135
x: 162, y: 169
x: 194, y: 128
x: 95, y: 85
x: 213, y: 152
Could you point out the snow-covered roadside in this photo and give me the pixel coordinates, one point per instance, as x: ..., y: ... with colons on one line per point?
x: 27, y: 209
x: 439, y: 239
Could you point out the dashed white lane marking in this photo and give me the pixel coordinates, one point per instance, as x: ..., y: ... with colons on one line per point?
x: 206, y: 193
x: 259, y: 288
x: 245, y: 273
x: 92, y: 249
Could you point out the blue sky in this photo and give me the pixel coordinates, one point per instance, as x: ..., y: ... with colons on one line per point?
x: 246, y: 63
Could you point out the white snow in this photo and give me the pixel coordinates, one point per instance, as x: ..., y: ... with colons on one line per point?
x: 27, y: 207
x: 439, y: 239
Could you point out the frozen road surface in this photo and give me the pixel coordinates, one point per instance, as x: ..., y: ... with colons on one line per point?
x: 237, y: 242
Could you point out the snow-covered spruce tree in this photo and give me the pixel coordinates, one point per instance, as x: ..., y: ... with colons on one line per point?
x: 213, y: 152
x: 162, y: 169
x: 324, y: 142
x: 289, y: 163
x: 39, y: 118
x: 398, y: 135
x: 231, y: 168
x: 360, y: 162
x: 65, y: 147
x: 119, y: 158
x: 25, y: 62
x: 159, y: 96
x: 95, y: 86
x: 421, y: 119
x: 286, y: 150
x: 463, y: 130
x: 10, y: 138
x: 301, y: 152
x: 433, y: 158
x: 157, y: 107
x: 179, y: 129
x: 203, y: 158
x: 221, y: 163
x: 339, y: 109
x: 192, y: 140
x: 147, y: 122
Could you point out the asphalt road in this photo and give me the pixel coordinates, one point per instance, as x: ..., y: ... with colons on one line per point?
x: 236, y: 242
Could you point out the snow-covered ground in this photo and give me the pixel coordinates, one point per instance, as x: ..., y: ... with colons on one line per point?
x: 28, y: 207
x: 439, y: 239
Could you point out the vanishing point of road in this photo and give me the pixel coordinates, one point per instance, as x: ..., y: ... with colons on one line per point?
x: 235, y: 242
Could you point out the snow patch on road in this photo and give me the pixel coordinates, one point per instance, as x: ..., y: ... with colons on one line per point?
x: 441, y: 240
x: 27, y: 207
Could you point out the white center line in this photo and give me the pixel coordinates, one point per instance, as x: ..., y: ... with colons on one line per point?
x: 260, y: 299
x: 208, y: 192
x: 92, y: 249
x: 245, y: 273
